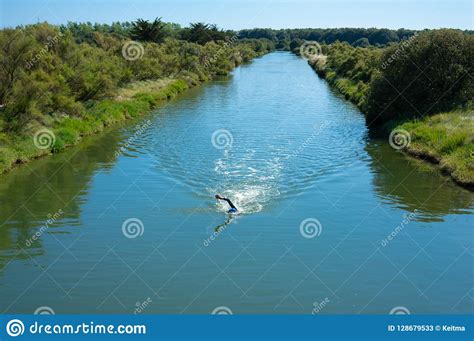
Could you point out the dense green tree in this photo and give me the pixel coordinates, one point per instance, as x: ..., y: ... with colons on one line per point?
x: 350, y: 35
x: 422, y: 75
x: 258, y: 33
x: 427, y: 74
x: 15, y: 50
x: 361, y: 42
x: 202, y: 33
x: 49, y: 72
x: 383, y: 37
x: 148, y: 31
x: 295, y: 45
x: 84, y: 32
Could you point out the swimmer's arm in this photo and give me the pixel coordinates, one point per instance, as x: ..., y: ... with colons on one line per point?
x: 225, y: 199
x: 230, y: 203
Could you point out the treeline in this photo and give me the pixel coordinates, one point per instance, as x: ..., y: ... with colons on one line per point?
x: 290, y: 38
x: 285, y: 39
x: 47, y: 70
x: 153, y: 31
x: 428, y: 73
x: 68, y: 78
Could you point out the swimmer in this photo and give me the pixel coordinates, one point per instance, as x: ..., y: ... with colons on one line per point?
x: 232, y: 209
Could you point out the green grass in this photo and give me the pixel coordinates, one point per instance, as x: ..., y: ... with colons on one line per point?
x: 133, y: 101
x: 356, y: 92
x: 447, y: 138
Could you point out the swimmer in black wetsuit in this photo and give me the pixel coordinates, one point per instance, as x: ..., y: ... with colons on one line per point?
x: 232, y: 209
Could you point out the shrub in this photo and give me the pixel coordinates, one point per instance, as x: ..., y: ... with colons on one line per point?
x: 427, y: 75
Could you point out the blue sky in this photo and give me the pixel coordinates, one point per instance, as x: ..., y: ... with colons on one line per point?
x: 237, y: 14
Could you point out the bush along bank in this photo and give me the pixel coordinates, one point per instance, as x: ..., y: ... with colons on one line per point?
x: 58, y: 84
x: 419, y: 92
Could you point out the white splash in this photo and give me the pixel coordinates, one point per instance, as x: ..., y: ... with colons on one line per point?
x: 247, y: 198
x: 248, y: 181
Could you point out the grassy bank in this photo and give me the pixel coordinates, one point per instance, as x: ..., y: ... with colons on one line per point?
x: 60, y: 83
x: 445, y: 139
x: 348, y: 69
x: 435, y: 109
x: 133, y: 101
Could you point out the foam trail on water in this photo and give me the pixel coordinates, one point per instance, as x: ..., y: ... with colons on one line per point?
x: 249, y: 185
x: 248, y: 198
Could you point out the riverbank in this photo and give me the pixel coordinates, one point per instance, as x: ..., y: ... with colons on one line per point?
x: 160, y: 173
x: 65, y: 82
x: 443, y: 138
x: 446, y: 140
x: 135, y: 100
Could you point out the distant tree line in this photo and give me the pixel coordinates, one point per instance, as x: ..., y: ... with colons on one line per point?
x: 201, y: 33
x: 150, y: 31
x: 289, y: 39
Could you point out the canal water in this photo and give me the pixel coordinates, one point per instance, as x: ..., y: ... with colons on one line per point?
x: 330, y: 220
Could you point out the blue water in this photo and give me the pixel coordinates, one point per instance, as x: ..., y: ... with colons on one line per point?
x: 317, y: 197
